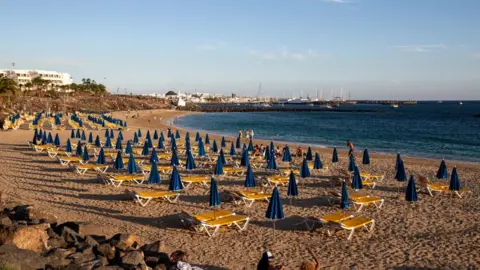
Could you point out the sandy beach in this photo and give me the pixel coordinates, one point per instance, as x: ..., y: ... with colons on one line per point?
x: 439, y: 232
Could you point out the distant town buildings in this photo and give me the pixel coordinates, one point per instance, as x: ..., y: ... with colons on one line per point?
x: 23, y: 76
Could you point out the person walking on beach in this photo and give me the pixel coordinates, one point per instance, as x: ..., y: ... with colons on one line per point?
x: 350, y: 147
x: 247, y: 134
x: 251, y: 134
x: 240, y: 133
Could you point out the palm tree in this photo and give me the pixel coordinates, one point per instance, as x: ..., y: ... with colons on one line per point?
x: 8, y: 86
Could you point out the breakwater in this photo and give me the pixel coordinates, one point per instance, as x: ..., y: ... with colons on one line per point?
x: 214, y: 109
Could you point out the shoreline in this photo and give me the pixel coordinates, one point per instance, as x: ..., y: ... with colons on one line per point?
x: 320, y: 148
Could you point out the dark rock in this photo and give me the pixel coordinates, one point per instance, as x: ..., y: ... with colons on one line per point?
x: 133, y: 259
x: 5, y: 221
x: 56, y: 242
x: 51, y: 233
x: 155, y: 247
x: 82, y: 228
x: 16, y: 258
x: 105, y: 250
x: 32, y: 238
x: 121, y: 245
x: 79, y: 258
x: 91, y: 241
x: 70, y: 236
x: 99, y: 238
x: 160, y: 267
x: 29, y: 212
x: 110, y: 267
x: 130, y: 239
x: 58, y: 257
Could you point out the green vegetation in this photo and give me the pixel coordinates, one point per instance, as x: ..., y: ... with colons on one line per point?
x: 8, y: 86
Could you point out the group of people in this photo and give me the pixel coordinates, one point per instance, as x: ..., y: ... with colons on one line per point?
x: 248, y: 134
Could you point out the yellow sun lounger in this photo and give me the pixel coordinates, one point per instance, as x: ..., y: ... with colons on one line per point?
x: 40, y: 148
x: 144, y: 197
x: 234, y: 171
x: 445, y: 188
x: 52, y: 153
x: 287, y: 171
x: 335, y: 218
x: 248, y: 197
x: 258, y: 164
x: 324, y: 169
x: 116, y: 180
x: 357, y: 223
x: 194, y: 221
x: 276, y: 181
x: 361, y: 200
x: 216, y: 224
x: 162, y: 169
x: 83, y: 168
x: 67, y: 160
x: 202, y: 180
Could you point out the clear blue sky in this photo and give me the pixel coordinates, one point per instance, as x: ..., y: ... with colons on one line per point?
x: 420, y: 49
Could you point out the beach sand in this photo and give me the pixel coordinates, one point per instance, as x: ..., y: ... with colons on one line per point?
x: 440, y: 232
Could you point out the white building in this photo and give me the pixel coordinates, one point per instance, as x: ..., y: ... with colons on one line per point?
x: 25, y: 76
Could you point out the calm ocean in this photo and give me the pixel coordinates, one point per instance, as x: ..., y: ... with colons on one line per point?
x: 429, y: 129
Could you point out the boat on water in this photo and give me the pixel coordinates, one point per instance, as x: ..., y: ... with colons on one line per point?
x: 439, y: 101
x: 298, y: 101
x: 311, y: 104
x: 394, y: 105
x: 461, y: 103
x: 262, y: 105
x: 326, y: 106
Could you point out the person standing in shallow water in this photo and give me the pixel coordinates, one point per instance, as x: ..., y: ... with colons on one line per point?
x: 350, y: 147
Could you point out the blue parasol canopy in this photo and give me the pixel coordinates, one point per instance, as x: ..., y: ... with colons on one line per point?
x: 107, y: 133
x: 187, y: 136
x: 214, y: 147
x: 154, y: 176
x: 118, y: 164
x: 148, y: 140
x: 317, y: 163
x: 197, y: 137
x: 411, y: 192
x: 214, y: 195
x: 160, y: 145
x: 304, y: 170
x: 49, y: 138
x: 238, y: 144
x: 222, y: 157
x: 223, y: 143
x: 275, y: 207
x: 169, y: 133
x: 139, y: 133
x: 219, y: 167
x: 132, y: 165
x: 57, y: 142
x: 135, y: 138
x: 398, y: 161
x: 250, y: 146
x: 201, y: 149
x: 272, y: 163
x: 232, y: 150
x: 454, y: 181
x: 101, y: 157
x: 366, y: 157
x: 128, y: 148
x: 190, y: 164
x: 112, y: 135
x: 442, y: 171
x: 309, y: 154
x: 118, y: 144
x: 356, y: 179
x: 79, y: 149
x: 344, y: 201
x: 207, y: 139
x: 90, y: 138
x: 78, y: 135
x: 155, y: 135
x: 245, y: 161
x: 287, y: 157
x: 250, y: 178
x: 401, y: 175
x: 175, y: 181
x: 351, y: 163
x: 68, y: 147
x: 174, y: 159
x: 72, y: 134
x: 292, y: 185
x: 146, y: 149
x: 108, y: 142
x: 154, y: 156
x: 334, y: 155
x: 84, y: 138
x: 85, y: 155
x: 173, y: 143
x: 120, y: 135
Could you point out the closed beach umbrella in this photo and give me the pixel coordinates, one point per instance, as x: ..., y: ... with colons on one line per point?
x: 72, y: 134
x: 120, y: 135
x: 244, y: 147
x: 118, y: 164
x: 154, y: 156
x: 272, y: 163
x: 97, y: 141
x: 442, y: 171
x: 232, y: 150
x: 245, y: 161
x: 78, y: 135
x: 68, y: 147
x: 161, y: 136
x: 145, y: 150
x: 334, y: 155
x: 207, y: 140
x: 401, y: 175
x: 275, y: 209
x: 197, y: 137
x: 173, y: 143
x: 44, y: 138
x: 187, y: 146
x: 108, y: 142
x: 154, y: 177
x: 139, y: 133
x: 90, y: 138
x: 128, y: 148
x: 35, y: 135
x: 169, y: 133
x: 222, y: 157
x: 219, y: 167
x: 317, y: 163
x: 238, y: 144
x: 309, y: 154
x: 187, y: 136
x: 135, y: 138
x: 351, y: 163
x: 304, y: 170
x: 287, y: 157
x: 160, y: 144
x: 107, y: 133
x: 356, y: 179
x: 79, y: 149
x: 272, y: 147
x: 118, y: 144
x: 267, y: 153
x: 50, y: 138
x: 155, y: 135
x: 344, y: 201
x: 454, y: 181
x: 250, y: 178
x: 223, y: 143
x: 148, y: 140
x: 190, y: 164
x: 214, y: 195
x: 112, y: 135
x: 177, y: 135
x: 101, y: 157
x: 201, y: 149
x: 84, y: 138
x: 366, y: 157
x: 250, y: 146
x: 85, y: 155
x: 56, y: 142
x: 174, y: 159
x: 398, y: 161
x: 214, y: 147
x: 411, y: 192
x: 132, y: 165
x: 175, y: 181
x: 292, y: 185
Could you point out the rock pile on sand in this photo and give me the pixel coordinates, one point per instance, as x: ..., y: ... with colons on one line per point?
x: 32, y: 239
